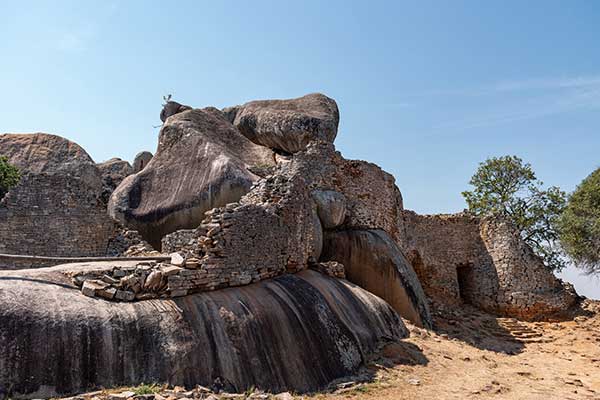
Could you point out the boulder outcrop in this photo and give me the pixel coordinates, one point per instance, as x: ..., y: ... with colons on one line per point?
x: 42, y: 153
x: 331, y: 207
x: 113, y: 172
x: 201, y: 162
x: 277, y: 227
x: 141, y: 160
x: 287, y: 125
x: 296, y: 331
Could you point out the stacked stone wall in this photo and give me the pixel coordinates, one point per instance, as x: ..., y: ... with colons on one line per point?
x: 461, y: 258
x: 54, y: 215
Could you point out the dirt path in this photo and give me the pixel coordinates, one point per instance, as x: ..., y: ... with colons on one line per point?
x: 476, y: 356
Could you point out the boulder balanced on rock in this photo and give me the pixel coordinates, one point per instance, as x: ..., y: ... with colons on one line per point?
x: 287, y: 125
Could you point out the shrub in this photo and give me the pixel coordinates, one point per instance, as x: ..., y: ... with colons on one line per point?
x: 579, y: 225
x: 9, y: 176
x: 508, y: 187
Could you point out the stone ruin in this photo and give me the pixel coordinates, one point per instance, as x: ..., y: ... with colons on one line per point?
x: 59, y: 206
x: 280, y: 250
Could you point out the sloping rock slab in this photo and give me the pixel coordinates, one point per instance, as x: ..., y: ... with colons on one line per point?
x: 287, y: 125
x: 374, y: 262
x: 201, y: 162
x: 296, y: 332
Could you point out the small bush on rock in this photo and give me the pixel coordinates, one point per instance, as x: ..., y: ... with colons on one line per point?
x: 9, y: 176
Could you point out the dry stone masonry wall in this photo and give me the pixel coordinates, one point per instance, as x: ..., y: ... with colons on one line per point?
x: 54, y: 215
x: 461, y: 258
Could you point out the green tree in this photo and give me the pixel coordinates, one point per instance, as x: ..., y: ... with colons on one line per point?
x: 507, y: 187
x: 580, y: 224
x: 9, y: 176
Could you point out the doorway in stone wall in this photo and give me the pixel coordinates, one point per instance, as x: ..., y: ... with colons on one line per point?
x: 466, y: 282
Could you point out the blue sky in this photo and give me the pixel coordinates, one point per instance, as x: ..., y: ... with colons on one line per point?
x: 426, y: 89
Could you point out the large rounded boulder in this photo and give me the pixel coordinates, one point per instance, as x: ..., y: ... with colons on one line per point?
x: 42, y: 153
x: 201, y: 162
x: 295, y: 332
x: 287, y: 125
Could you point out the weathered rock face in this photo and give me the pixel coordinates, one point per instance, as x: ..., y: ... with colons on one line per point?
x: 369, y: 195
x: 202, y: 162
x: 460, y: 258
x: 287, y: 125
x: 277, y: 226
x: 374, y: 262
x: 296, y: 332
x: 57, y: 207
x: 113, y: 172
x: 42, y: 153
x: 141, y: 160
x: 331, y: 207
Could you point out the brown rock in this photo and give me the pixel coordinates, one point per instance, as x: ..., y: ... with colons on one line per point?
x: 177, y: 260
x: 153, y: 281
x: 141, y: 160
x: 113, y: 172
x: 91, y: 287
x: 124, y: 295
x: 287, y: 125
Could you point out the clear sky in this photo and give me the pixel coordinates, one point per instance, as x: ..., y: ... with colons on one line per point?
x: 426, y: 89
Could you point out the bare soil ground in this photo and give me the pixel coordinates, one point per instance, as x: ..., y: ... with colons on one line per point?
x: 473, y: 355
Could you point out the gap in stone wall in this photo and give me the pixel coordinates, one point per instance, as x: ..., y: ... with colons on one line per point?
x: 466, y: 282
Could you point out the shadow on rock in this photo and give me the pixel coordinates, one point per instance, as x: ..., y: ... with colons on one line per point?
x: 390, y: 355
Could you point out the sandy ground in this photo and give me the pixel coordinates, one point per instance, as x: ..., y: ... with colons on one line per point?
x: 472, y: 355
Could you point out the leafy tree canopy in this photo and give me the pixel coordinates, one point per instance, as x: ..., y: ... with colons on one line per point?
x: 507, y: 187
x: 580, y: 224
x: 9, y: 176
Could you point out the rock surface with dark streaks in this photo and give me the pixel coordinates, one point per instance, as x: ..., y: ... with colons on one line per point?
x: 373, y: 261
x: 287, y: 125
x: 201, y: 162
x: 295, y: 332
